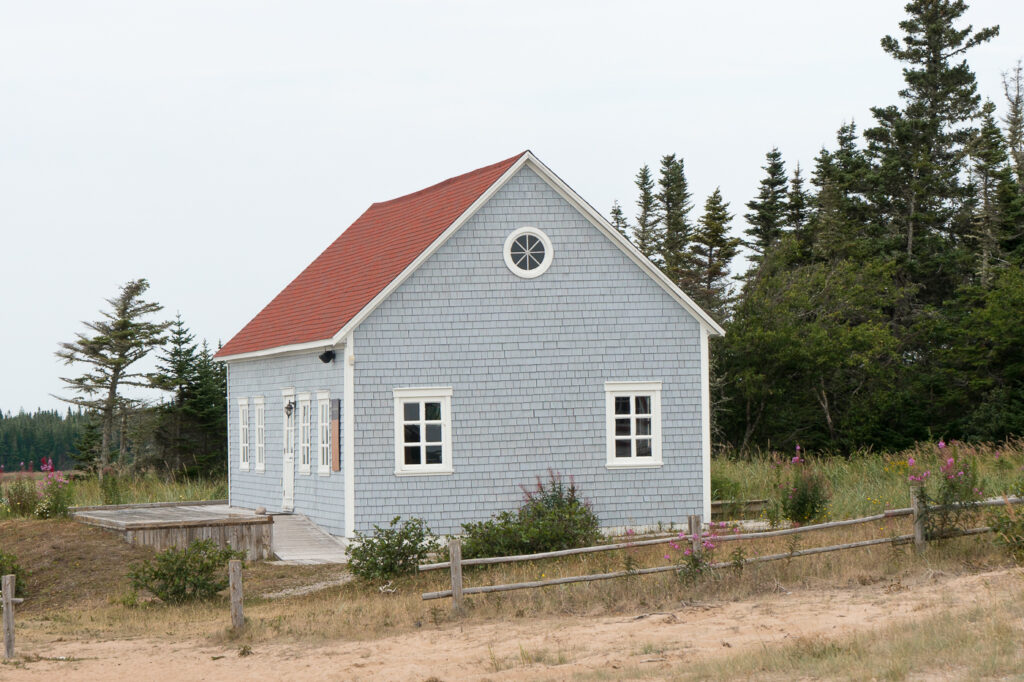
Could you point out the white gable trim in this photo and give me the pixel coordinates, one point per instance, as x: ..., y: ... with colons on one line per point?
x: 567, y: 193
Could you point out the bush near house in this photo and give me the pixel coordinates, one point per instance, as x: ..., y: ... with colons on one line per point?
x: 553, y: 517
x: 392, y: 551
x: 195, y: 573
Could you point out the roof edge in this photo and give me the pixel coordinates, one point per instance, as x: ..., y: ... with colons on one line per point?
x: 278, y: 350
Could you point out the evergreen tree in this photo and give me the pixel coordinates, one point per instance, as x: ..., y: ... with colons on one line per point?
x: 619, y: 220
x: 176, y: 367
x: 648, y: 234
x: 999, y: 210
x: 767, y: 215
x: 797, y: 202
x: 713, y: 250
x: 919, y: 150
x: 674, y: 205
x: 1013, y: 88
x: 116, y: 342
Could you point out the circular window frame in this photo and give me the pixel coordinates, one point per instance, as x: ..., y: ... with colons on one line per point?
x: 549, y: 253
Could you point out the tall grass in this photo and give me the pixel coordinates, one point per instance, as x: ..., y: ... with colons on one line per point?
x: 868, y: 482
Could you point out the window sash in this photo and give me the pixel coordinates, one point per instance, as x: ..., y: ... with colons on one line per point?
x: 304, y: 436
x: 633, y: 414
x: 243, y: 435
x: 425, y: 438
x: 323, y: 405
x: 261, y: 435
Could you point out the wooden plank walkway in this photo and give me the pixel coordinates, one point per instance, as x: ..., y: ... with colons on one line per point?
x: 297, y: 540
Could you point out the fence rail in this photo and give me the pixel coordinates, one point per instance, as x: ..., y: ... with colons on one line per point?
x: 918, y: 511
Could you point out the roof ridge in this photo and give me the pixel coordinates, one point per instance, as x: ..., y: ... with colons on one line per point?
x: 451, y: 180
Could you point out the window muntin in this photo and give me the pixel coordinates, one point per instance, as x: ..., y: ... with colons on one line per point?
x: 305, y: 434
x: 633, y: 413
x: 243, y: 434
x: 261, y: 434
x: 423, y: 431
x: 528, y: 252
x: 323, y: 411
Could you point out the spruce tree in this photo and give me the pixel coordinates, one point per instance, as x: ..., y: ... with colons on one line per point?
x: 674, y: 205
x: 713, y: 250
x: 1013, y: 88
x: 797, y: 202
x: 998, y: 213
x: 648, y: 234
x: 176, y: 365
x: 919, y: 149
x: 619, y: 220
x: 109, y: 349
x: 767, y: 216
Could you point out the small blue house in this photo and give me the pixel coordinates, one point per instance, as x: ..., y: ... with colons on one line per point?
x: 457, y: 343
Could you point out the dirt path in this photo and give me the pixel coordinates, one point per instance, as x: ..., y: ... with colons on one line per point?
x: 553, y: 649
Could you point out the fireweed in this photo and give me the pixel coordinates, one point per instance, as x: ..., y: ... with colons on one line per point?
x: 950, y: 495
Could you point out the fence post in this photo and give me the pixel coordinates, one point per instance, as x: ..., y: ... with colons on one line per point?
x: 235, y: 582
x: 7, y: 587
x: 455, y: 554
x: 695, y: 533
x: 916, y: 488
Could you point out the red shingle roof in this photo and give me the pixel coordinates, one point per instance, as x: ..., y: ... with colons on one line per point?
x: 360, y: 263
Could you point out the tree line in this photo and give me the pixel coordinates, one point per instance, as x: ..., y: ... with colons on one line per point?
x: 185, y: 434
x: 882, y: 302
x: 26, y: 438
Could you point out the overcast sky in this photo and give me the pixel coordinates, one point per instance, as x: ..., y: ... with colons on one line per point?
x: 216, y: 148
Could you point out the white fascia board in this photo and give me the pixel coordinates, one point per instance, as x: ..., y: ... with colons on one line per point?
x: 429, y: 251
x: 600, y: 222
x: 280, y: 350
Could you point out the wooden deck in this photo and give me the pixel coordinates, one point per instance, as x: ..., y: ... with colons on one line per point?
x: 165, y: 525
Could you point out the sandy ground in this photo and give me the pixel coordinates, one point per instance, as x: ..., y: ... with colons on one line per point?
x: 559, y: 648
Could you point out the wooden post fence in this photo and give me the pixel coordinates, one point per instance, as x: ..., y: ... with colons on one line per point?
x: 695, y: 533
x: 9, y: 600
x: 235, y: 583
x: 455, y: 554
x: 916, y: 488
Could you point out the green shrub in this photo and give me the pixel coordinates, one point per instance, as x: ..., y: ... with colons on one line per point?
x: 725, y: 488
x: 804, y: 497
x: 179, y: 575
x: 21, y: 497
x: 110, y: 488
x: 950, y: 499
x: 553, y: 517
x: 9, y: 565
x: 392, y: 551
x: 56, y: 497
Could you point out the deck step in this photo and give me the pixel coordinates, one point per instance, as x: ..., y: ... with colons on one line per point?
x: 299, y: 540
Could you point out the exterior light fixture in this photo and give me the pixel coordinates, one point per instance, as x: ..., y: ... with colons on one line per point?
x: 327, y: 356
x: 289, y: 408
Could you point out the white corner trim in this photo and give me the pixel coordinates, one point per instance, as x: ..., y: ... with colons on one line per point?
x: 705, y: 422
x: 348, y: 438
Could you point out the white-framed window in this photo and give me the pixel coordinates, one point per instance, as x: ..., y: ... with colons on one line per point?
x: 423, y: 431
x: 243, y: 434
x: 633, y: 423
x: 305, y: 433
x: 261, y: 433
x: 323, y: 412
x: 290, y: 409
x: 528, y: 252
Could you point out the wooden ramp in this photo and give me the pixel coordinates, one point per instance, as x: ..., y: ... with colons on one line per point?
x: 297, y: 540
x: 165, y: 525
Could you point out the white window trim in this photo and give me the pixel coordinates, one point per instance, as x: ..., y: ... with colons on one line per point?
x: 442, y: 394
x: 323, y: 431
x: 261, y: 434
x: 613, y: 389
x: 549, y: 253
x: 243, y: 434
x: 305, y: 417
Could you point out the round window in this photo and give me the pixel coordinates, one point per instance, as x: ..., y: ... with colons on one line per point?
x: 528, y: 252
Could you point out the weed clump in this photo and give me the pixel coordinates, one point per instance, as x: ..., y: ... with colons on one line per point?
x: 553, y: 517
x: 8, y: 566
x: 195, y: 573
x: 392, y: 551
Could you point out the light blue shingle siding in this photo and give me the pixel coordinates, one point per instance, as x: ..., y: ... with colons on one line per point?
x: 322, y: 498
x: 527, y: 359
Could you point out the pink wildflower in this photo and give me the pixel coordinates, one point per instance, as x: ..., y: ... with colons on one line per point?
x: 667, y: 557
x: 942, y: 444
x: 911, y: 462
